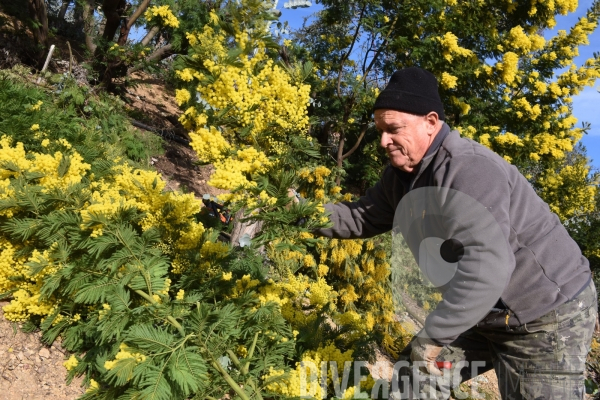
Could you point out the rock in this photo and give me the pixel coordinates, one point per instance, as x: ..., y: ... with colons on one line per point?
x: 44, y: 353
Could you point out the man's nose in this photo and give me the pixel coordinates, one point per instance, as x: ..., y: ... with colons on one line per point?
x: 385, y: 139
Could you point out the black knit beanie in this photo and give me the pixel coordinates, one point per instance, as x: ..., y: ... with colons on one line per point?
x: 412, y: 90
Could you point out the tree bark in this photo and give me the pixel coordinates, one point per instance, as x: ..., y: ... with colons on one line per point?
x: 128, y: 23
x: 150, y: 35
x: 88, y: 25
x: 39, y: 14
x: 63, y: 9
x: 363, y: 130
x: 340, y: 155
x: 113, y: 12
x: 251, y: 229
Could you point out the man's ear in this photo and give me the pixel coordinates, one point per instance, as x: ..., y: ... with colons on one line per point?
x: 432, y: 122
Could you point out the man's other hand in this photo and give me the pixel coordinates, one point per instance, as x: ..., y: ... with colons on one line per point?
x: 426, y: 350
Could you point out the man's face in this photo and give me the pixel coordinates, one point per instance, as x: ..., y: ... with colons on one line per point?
x: 405, y: 137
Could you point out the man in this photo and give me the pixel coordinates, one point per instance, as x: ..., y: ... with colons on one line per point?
x: 541, y: 308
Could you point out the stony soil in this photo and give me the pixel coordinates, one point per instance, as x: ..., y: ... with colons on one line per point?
x: 30, y: 370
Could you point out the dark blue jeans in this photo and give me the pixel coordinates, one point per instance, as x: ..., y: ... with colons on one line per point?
x: 540, y: 360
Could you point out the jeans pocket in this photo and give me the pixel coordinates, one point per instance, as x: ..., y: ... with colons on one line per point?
x: 552, y: 385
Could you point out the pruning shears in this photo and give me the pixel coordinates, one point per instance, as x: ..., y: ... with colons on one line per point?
x: 443, y: 364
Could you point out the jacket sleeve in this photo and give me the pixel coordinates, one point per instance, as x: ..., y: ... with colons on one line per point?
x: 371, y: 215
x: 484, y: 228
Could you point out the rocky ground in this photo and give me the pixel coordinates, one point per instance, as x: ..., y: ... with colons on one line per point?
x: 30, y: 370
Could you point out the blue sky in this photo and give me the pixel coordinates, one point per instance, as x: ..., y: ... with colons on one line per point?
x: 585, y: 105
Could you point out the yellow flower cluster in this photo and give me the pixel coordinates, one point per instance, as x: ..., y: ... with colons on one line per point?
x: 209, y: 144
x: 36, y: 106
x: 210, y: 254
x: 464, y: 107
x: 567, y: 203
x: 450, y: 45
x: 25, y: 304
x: 164, y: 12
x: 525, y: 109
x: 320, y: 293
x: 244, y: 284
x: 71, y: 363
x: 290, y: 385
x: 214, y: 250
x: 144, y: 190
x: 10, y: 266
x: 272, y: 292
x: 188, y: 74
x: 232, y: 172
x: 316, y: 175
x: 549, y: 144
x: 124, y: 187
x: 263, y: 99
x: 448, y: 81
x: 45, y: 164
x: 182, y: 96
x: 509, y: 67
x: 517, y: 39
x: 14, y: 275
x: 508, y: 139
x: 124, y: 354
x: 105, y: 309
x: 191, y: 236
x: 256, y: 96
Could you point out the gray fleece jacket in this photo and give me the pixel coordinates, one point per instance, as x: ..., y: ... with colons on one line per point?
x: 545, y: 268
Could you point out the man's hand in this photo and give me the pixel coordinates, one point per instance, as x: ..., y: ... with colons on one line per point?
x: 292, y: 194
x: 425, y: 349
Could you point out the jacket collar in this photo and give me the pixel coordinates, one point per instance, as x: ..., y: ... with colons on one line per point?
x: 437, y: 142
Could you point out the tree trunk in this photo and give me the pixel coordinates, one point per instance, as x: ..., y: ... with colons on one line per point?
x: 63, y: 9
x: 340, y: 151
x: 128, y: 23
x: 340, y: 156
x: 88, y: 25
x: 113, y: 13
x: 241, y: 229
x: 39, y: 16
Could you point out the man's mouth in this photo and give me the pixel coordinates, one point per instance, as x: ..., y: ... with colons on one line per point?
x: 400, y: 150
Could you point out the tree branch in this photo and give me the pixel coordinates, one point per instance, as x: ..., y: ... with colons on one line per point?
x: 151, y: 33
x: 345, y: 56
x: 340, y: 150
x: 136, y: 14
x: 363, y: 131
x: 128, y: 22
x: 159, y: 54
x: 380, y: 49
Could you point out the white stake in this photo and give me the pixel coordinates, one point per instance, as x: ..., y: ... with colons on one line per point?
x: 46, y: 63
